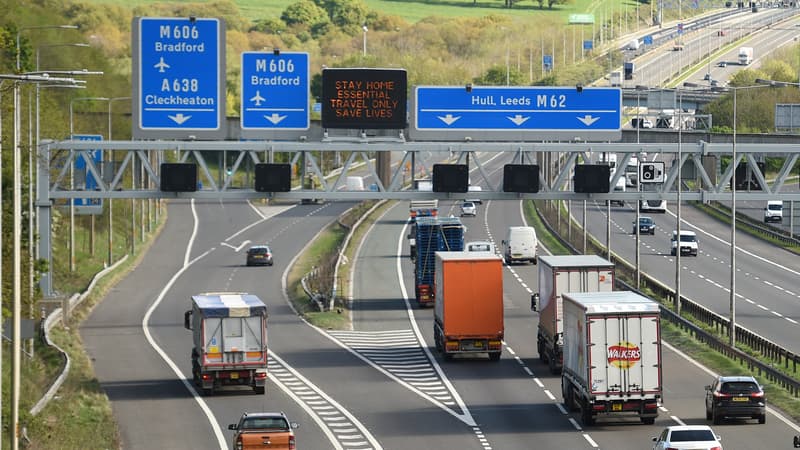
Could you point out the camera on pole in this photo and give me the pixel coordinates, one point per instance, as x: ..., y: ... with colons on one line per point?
x: 651, y: 172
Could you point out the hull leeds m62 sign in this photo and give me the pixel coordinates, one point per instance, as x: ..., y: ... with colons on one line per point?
x: 516, y: 113
x: 364, y: 98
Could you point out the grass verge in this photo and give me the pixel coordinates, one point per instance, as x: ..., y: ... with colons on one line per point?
x: 81, y: 412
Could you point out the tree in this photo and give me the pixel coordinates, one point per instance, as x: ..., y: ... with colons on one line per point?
x: 498, y: 75
x: 305, y: 12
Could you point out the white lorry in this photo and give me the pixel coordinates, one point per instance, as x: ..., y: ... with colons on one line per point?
x: 559, y: 274
x: 229, y: 332
x: 612, y: 355
x: 745, y: 55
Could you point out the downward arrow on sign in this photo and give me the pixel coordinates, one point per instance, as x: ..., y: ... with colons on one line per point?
x: 588, y: 120
x: 448, y: 119
x: 518, y: 119
x: 180, y: 118
x: 275, y: 118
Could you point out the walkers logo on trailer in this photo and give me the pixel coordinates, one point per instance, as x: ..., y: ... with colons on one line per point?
x: 624, y: 355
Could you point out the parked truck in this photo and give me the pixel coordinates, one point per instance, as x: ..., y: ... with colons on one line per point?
x: 229, y: 332
x: 745, y: 55
x: 468, y: 309
x: 612, y: 355
x: 433, y: 234
x: 559, y: 274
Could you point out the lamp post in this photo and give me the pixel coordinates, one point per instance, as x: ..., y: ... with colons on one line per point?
x: 364, y: 27
x: 639, y: 89
x: 16, y: 266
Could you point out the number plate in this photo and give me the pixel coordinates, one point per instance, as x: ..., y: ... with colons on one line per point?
x: 616, y: 407
x: 741, y: 399
x: 234, y: 375
x: 477, y: 344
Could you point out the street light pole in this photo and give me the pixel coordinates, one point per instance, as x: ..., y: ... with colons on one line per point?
x: 732, y: 323
x: 364, y: 27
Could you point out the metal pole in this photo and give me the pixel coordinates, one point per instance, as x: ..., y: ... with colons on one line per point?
x: 1, y: 253
x: 584, y: 227
x: 608, y: 230
x: 17, y: 299
x: 30, y: 218
x: 732, y: 324
x: 72, y: 200
x: 678, y: 209
x: 638, y: 201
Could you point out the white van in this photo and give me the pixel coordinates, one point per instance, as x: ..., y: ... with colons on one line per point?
x: 520, y: 245
x: 355, y: 183
x: 774, y: 211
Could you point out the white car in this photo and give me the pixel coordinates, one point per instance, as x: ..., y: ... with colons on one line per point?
x: 774, y: 211
x: 694, y: 437
x: 468, y: 209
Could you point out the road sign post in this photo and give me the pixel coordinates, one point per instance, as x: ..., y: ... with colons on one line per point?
x: 275, y: 91
x: 516, y: 113
x: 87, y: 181
x: 179, y: 78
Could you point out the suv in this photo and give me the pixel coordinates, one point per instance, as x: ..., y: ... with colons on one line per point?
x: 739, y: 396
x: 646, y: 225
x: 263, y: 430
x: 774, y: 211
x: 688, y: 243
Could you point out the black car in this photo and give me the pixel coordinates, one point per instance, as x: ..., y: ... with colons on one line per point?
x: 259, y: 255
x: 646, y: 225
x: 735, y: 397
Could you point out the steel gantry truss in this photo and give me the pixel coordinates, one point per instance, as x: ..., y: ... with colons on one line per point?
x: 703, y: 178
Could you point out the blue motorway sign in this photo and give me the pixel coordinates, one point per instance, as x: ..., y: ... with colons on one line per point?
x: 275, y: 91
x: 518, y: 108
x: 79, y: 165
x: 180, y: 74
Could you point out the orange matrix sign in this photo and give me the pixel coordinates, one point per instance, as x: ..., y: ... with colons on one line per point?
x: 364, y: 98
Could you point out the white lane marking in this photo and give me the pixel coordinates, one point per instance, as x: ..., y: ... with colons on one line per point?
x: 590, y: 440
x: 677, y: 420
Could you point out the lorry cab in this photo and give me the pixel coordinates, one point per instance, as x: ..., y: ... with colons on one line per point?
x: 520, y: 245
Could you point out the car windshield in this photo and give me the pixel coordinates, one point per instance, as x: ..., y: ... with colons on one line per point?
x: 468, y: 205
x: 645, y: 221
x: 259, y: 251
x: 265, y: 423
x: 691, y: 435
x: 775, y: 207
x: 687, y: 238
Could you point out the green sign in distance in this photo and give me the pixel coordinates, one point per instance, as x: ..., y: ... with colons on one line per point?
x: 581, y: 18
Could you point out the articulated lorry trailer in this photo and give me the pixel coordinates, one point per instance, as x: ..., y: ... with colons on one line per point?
x: 433, y: 234
x: 468, y: 309
x: 612, y: 355
x: 229, y: 332
x: 559, y: 274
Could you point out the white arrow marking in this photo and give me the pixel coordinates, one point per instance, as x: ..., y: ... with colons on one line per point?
x: 239, y: 248
x: 518, y: 119
x: 180, y: 118
x: 588, y: 120
x: 449, y: 119
x: 275, y: 118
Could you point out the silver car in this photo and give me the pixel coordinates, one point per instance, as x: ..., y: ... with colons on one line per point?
x: 468, y: 209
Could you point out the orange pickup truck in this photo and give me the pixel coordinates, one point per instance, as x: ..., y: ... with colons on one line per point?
x: 265, y: 430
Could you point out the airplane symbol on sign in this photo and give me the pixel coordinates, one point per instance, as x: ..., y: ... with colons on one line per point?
x: 161, y: 65
x: 257, y: 98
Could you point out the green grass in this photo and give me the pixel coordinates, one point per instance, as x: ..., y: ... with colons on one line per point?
x: 414, y: 11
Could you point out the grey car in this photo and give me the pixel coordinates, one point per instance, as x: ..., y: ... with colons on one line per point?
x: 259, y: 255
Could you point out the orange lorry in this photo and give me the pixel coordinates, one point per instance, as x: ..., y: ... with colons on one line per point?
x: 265, y: 430
x: 468, y: 308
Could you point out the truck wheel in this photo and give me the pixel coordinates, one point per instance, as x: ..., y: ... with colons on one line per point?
x: 586, y: 415
x: 708, y: 414
x: 552, y: 364
x: 542, y: 353
x: 494, y: 356
x: 648, y: 420
x: 437, y: 339
x: 208, y: 392
x: 259, y: 390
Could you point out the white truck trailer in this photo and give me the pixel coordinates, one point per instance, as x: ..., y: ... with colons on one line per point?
x: 612, y: 355
x: 559, y: 274
x: 229, y: 332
